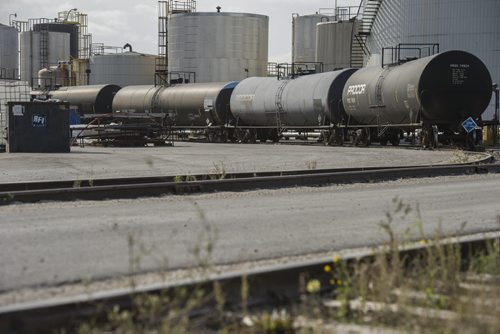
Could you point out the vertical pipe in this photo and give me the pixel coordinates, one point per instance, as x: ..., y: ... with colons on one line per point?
x: 497, y: 113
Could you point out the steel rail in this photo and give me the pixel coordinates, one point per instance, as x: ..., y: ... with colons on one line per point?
x: 270, y: 285
x: 81, y: 183
x: 126, y: 188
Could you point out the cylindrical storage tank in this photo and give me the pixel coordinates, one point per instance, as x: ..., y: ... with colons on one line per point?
x: 218, y: 47
x: 122, y: 69
x: 309, y: 101
x: 9, y: 46
x: 471, y: 26
x: 304, y: 36
x: 444, y: 89
x: 71, y: 29
x: 198, y: 104
x: 136, y: 99
x: 54, y: 76
x: 333, y: 44
x: 95, y: 99
x: 55, y: 46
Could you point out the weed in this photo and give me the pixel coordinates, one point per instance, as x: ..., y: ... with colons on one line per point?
x: 219, y: 170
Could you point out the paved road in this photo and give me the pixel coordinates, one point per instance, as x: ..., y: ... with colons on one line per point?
x: 53, y: 243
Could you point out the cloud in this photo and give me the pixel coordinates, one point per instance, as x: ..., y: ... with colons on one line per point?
x: 116, y: 22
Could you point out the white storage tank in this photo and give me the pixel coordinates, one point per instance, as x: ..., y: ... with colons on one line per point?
x: 9, y: 47
x: 333, y: 44
x: 472, y: 26
x: 36, y: 45
x: 122, y: 69
x: 218, y: 47
x: 304, y: 36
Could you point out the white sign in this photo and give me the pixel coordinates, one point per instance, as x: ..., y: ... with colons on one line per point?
x: 18, y: 110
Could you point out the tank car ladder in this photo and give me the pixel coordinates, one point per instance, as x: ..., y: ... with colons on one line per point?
x: 279, y: 106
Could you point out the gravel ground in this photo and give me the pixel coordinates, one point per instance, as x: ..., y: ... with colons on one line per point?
x: 417, y: 188
x: 201, y: 158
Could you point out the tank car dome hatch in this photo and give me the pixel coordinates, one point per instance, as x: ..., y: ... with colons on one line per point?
x: 93, y: 99
x: 218, y: 47
x: 443, y: 89
x: 311, y: 100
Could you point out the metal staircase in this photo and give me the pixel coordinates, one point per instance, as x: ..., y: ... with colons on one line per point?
x: 362, y: 28
x: 44, y: 47
x: 165, y: 9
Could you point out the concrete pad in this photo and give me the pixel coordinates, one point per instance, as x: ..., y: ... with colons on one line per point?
x: 198, y: 158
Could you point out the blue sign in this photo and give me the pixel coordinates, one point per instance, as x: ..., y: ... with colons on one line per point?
x: 39, y: 121
x: 469, y: 125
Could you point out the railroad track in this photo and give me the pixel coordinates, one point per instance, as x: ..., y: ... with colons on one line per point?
x: 101, y: 189
x: 271, y: 287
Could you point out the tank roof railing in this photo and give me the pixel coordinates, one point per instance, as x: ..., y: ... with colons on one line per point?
x: 101, y: 49
x: 181, y: 6
x: 293, y: 70
x: 404, y: 52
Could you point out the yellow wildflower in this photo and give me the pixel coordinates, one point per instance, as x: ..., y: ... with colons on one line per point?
x: 327, y: 268
x: 313, y: 286
x: 336, y: 259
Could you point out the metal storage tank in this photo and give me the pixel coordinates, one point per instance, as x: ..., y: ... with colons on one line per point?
x: 217, y: 46
x: 198, y: 104
x: 304, y: 36
x: 307, y: 101
x: 54, y: 76
x: 54, y: 46
x: 122, y: 69
x: 9, y: 47
x: 89, y: 99
x: 71, y: 29
x: 472, y: 26
x: 333, y: 44
x: 136, y: 99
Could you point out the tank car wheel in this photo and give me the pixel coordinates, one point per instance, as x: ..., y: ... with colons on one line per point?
x: 394, y: 139
x: 252, y: 136
x: 262, y: 135
x: 274, y: 135
x: 336, y: 137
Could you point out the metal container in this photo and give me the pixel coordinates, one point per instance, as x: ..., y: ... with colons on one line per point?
x: 55, y: 47
x: 218, y: 47
x: 308, y: 101
x: 136, y: 99
x: 38, y: 127
x: 199, y: 104
x: 95, y: 99
x: 71, y: 29
x: 54, y: 76
x: 304, y: 36
x: 471, y: 26
x: 9, y: 68
x: 122, y: 69
x: 444, y: 89
x: 333, y: 44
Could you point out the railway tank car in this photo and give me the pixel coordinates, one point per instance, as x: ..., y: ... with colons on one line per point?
x: 189, y: 105
x: 311, y: 101
x: 436, y: 93
x: 136, y: 99
x: 89, y: 99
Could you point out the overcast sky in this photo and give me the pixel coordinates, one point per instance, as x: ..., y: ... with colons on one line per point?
x: 116, y: 22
